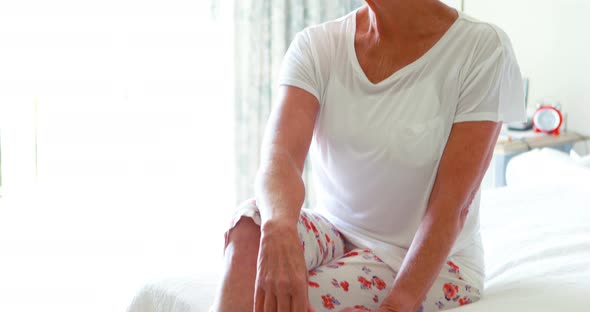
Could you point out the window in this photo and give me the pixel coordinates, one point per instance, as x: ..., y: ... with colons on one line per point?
x: 117, y: 117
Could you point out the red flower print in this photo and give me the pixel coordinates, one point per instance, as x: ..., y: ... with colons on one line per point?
x: 375, y: 298
x: 340, y: 263
x: 464, y: 301
x: 351, y: 253
x: 344, y: 285
x: 450, y: 291
x: 365, y: 284
x: 379, y: 283
x: 306, y: 223
x: 327, y: 238
x: 454, y: 268
x: 313, y: 228
x: 313, y: 284
x: 367, y: 250
x: 329, y: 301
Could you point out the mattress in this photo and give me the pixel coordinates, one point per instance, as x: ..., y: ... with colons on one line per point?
x: 537, y: 255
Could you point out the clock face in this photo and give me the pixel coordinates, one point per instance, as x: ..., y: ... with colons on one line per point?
x: 547, y: 120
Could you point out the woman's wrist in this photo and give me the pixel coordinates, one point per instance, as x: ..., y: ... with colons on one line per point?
x: 277, y: 225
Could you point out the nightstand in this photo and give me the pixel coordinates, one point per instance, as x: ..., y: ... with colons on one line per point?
x: 512, y: 143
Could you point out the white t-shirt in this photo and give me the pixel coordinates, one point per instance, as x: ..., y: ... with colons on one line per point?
x: 376, y: 147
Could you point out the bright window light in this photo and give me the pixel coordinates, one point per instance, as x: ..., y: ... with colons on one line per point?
x: 117, y: 147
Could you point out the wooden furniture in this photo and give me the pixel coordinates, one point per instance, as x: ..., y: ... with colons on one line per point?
x: 512, y: 143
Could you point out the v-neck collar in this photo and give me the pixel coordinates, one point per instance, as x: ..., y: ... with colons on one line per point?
x: 423, y: 58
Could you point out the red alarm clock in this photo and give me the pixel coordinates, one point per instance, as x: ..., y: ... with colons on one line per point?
x: 547, y: 119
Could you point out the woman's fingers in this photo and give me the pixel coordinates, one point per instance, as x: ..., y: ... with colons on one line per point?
x: 267, y: 301
x: 299, y: 300
x: 284, y: 304
x: 270, y: 301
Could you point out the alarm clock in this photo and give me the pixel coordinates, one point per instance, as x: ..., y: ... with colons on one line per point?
x: 547, y: 119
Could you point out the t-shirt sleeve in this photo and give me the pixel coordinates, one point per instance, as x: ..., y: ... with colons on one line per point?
x: 493, y: 87
x: 298, y: 67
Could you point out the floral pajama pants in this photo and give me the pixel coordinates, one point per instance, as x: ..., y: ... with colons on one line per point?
x: 342, y: 276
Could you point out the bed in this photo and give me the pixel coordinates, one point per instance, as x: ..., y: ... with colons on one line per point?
x: 537, y: 244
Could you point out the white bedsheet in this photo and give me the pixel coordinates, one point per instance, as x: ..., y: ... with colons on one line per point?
x: 537, y: 243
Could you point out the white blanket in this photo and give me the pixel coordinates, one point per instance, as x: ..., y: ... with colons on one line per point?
x: 537, y: 244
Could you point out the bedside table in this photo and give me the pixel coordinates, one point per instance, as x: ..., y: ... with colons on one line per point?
x: 512, y: 143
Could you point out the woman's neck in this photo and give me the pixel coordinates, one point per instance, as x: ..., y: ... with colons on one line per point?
x: 391, y: 19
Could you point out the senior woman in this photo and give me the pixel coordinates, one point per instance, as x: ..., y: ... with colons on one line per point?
x: 401, y: 102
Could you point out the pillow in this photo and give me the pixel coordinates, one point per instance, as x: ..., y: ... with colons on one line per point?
x: 545, y: 166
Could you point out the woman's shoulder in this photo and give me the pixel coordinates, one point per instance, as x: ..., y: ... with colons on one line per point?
x: 485, y: 34
x: 330, y: 32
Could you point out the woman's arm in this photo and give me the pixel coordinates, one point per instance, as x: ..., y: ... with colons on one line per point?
x: 281, y: 281
x: 464, y: 161
x: 279, y: 188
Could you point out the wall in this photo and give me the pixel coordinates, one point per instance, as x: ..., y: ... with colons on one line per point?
x: 552, y: 45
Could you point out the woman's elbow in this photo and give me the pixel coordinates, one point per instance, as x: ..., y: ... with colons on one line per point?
x: 464, y: 213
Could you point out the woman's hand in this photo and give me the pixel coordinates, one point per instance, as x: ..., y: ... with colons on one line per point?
x: 281, y: 281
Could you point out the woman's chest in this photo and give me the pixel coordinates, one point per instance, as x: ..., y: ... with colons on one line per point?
x: 380, y: 63
x: 407, y: 123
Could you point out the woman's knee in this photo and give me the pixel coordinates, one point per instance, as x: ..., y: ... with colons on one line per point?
x: 245, y: 231
x: 243, y: 228
x: 242, y: 239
